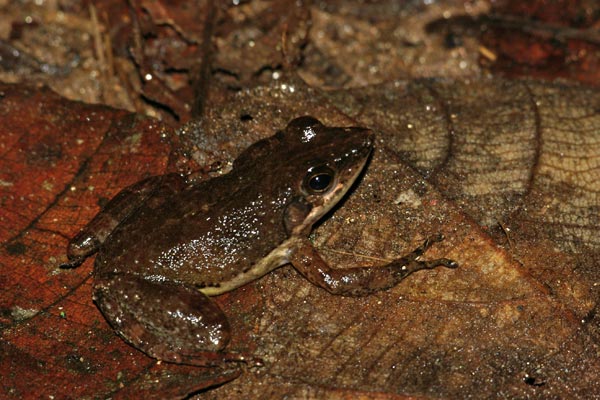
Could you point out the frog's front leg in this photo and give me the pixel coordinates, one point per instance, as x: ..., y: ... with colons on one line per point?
x: 91, y: 237
x: 360, y: 281
x: 168, y: 321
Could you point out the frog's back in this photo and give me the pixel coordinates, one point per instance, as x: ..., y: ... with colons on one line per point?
x: 203, y: 236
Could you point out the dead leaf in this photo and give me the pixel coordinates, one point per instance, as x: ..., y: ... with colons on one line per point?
x: 355, y: 44
x: 507, y: 170
x: 505, y: 316
x: 546, y: 40
x: 502, y: 318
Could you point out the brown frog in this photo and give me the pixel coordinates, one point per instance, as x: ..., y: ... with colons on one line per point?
x: 167, y: 243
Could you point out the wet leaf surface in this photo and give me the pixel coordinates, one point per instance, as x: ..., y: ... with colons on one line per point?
x: 506, y: 170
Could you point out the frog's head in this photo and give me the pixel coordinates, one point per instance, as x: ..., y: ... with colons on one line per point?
x: 319, y: 164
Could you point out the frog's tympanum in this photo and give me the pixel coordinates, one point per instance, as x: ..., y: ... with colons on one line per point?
x: 167, y: 243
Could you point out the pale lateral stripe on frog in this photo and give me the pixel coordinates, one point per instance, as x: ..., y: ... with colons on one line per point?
x: 276, y: 258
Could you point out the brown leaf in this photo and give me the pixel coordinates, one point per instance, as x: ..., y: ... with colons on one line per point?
x: 260, y: 37
x: 356, y: 43
x: 505, y: 321
x: 502, y: 322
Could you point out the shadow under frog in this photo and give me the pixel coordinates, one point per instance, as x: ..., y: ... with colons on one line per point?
x: 167, y: 243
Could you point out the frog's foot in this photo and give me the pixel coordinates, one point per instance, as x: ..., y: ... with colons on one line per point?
x: 410, y: 263
x: 404, y: 266
x: 168, y: 321
x: 214, y: 359
x: 73, y: 262
x: 417, y: 265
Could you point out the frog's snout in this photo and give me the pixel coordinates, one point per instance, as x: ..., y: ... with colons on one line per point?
x: 362, y: 137
x: 369, y: 139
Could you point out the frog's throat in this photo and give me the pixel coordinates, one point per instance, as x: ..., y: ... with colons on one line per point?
x: 276, y: 258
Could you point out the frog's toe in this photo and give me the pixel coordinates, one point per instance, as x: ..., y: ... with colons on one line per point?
x: 442, y: 262
x: 73, y: 262
x: 219, y: 358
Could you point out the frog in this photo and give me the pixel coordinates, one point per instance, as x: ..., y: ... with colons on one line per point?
x: 168, y: 244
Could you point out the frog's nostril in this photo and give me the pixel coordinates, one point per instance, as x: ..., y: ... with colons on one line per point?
x: 369, y: 140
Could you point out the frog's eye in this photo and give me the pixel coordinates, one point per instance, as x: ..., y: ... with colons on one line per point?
x: 319, y: 180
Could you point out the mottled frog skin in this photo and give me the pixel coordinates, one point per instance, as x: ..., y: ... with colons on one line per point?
x: 168, y: 243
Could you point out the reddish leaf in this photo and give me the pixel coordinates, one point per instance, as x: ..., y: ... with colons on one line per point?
x: 546, y: 39
x: 61, y: 160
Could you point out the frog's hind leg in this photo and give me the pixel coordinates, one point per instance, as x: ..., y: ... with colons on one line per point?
x: 91, y: 237
x: 168, y: 321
